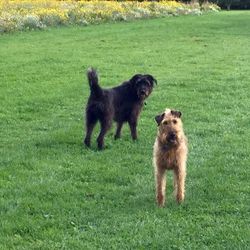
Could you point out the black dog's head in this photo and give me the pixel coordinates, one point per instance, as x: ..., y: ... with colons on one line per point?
x: 143, y: 85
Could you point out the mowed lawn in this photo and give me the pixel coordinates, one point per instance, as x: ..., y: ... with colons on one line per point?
x: 56, y: 194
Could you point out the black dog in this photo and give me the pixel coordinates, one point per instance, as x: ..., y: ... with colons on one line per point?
x: 121, y: 104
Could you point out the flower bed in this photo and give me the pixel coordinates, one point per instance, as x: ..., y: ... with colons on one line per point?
x: 39, y: 14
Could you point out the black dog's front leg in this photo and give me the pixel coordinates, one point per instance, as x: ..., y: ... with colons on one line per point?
x: 133, y: 125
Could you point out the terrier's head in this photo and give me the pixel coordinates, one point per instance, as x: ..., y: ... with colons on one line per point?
x: 170, y: 131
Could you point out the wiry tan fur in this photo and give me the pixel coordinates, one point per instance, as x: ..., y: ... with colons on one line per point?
x: 170, y: 155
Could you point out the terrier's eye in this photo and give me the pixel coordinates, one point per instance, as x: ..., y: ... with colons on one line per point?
x: 165, y: 123
x: 174, y: 121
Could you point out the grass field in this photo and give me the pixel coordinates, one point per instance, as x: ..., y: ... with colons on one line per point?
x: 56, y: 194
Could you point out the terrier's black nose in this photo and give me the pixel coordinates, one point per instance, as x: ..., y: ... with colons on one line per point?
x: 171, y: 136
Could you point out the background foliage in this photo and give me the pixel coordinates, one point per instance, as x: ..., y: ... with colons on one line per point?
x: 233, y: 4
x: 227, y: 4
x: 39, y: 14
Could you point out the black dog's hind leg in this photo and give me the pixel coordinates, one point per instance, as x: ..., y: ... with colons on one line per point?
x: 90, y: 124
x: 105, y: 126
x: 118, y: 130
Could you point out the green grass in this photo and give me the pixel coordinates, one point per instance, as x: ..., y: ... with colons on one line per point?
x: 56, y: 194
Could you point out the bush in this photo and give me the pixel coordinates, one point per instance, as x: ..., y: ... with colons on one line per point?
x: 28, y: 14
x: 31, y: 22
x: 233, y: 4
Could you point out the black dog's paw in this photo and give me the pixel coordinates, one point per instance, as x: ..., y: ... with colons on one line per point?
x: 117, y: 137
x: 86, y: 142
x: 100, y: 145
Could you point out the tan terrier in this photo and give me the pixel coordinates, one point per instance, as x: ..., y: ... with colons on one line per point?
x: 170, y: 153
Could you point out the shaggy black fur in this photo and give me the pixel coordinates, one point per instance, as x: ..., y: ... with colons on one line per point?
x: 121, y: 104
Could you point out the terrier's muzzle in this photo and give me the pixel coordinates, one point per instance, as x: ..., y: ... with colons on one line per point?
x: 171, y: 137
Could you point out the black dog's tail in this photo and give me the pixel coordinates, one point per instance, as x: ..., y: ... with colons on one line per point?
x: 93, y: 82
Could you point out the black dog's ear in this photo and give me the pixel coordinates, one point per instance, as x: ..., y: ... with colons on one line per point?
x: 159, y: 118
x: 151, y: 79
x: 176, y: 113
x: 135, y: 78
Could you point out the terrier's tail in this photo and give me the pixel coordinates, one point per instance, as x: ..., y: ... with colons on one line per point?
x: 93, y: 82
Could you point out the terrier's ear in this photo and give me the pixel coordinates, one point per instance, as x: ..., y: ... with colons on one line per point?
x: 151, y: 79
x: 159, y: 118
x: 135, y: 78
x: 176, y: 113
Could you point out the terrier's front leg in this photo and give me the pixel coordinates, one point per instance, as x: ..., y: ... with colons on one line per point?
x: 160, y: 179
x: 179, y: 183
